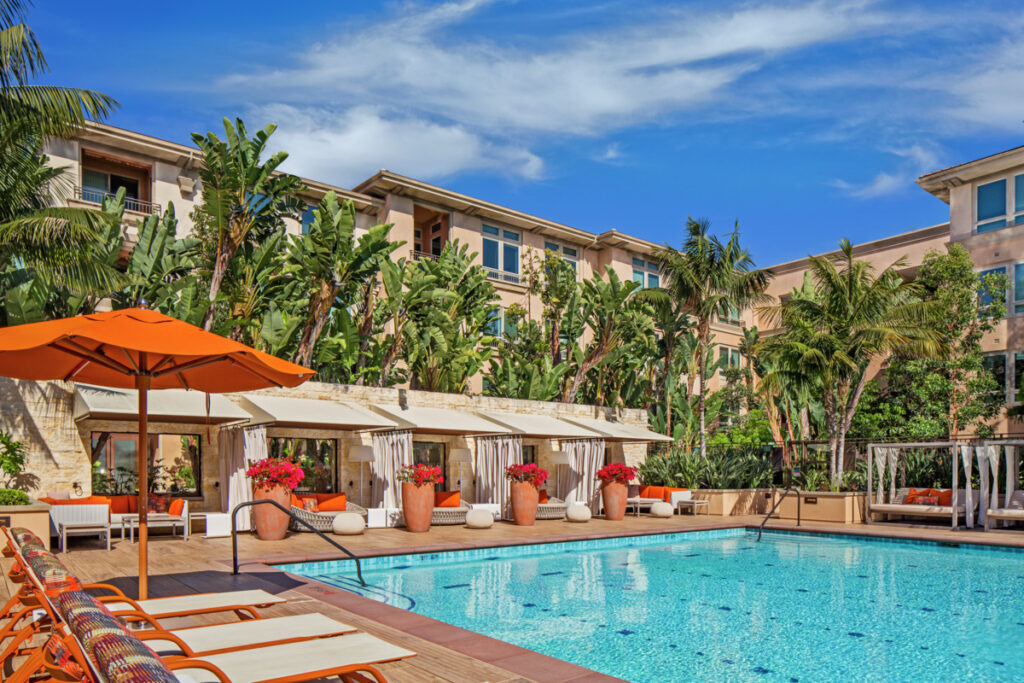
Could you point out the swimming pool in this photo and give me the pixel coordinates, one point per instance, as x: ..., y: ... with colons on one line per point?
x: 717, y: 605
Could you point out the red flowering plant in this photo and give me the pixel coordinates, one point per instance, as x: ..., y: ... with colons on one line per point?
x: 616, y: 472
x: 271, y: 472
x: 420, y: 474
x: 531, y: 473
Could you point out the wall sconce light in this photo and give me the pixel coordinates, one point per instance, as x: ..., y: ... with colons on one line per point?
x: 77, y: 488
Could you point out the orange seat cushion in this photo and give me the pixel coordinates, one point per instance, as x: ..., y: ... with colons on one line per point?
x: 120, y: 505
x: 295, y: 502
x: 652, y: 492
x: 542, y: 496
x: 945, y: 496
x: 447, y: 499
x: 333, y: 502
x: 176, y: 507
x: 669, y: 490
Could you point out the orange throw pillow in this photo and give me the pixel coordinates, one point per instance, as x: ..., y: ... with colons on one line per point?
x: 447, y: 499
x: 295, y: 502
x: 176, y: 507
x: 945, y: 496
x: 542, y: 496
x: 336, y: 504
x: 119, y: 505
x: 917, y: 496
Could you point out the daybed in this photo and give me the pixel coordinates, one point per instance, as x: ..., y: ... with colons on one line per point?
x: 550, y: 507
x: 1012, y: 510
x: 941, y: 508
x: 449, y: 508
x: 320, y: 509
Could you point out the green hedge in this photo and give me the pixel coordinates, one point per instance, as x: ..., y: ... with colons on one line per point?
x: 13, y: 497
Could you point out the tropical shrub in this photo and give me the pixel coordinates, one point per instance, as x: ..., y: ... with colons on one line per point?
x: 13, y: 497
x: 720, y: 470
x: 12, y: 459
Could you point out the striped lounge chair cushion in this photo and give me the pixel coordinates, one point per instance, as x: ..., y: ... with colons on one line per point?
x: 51, y: 572
x: 23, y: 537
x: 126, y: 659
x: 87, y: 619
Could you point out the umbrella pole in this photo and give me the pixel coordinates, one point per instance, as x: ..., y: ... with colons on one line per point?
x: 142, y: 454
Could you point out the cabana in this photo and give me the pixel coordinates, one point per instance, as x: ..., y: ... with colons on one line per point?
x: 1012, y: 508
x: 883, y: 457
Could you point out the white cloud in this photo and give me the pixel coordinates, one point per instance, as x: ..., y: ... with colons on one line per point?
x: 915, y: 160
x: 988, y: 91
x: 419, y: 93
x: 346, y: 147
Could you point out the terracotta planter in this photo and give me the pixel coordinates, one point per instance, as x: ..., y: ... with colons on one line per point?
x: 417, y: 505
x: 524, y: 503
x: 271, y: 523
x: 614, y: 496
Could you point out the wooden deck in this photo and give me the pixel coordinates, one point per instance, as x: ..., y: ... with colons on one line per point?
x: 445, y: 653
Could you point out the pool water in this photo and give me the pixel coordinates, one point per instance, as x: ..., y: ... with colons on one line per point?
x: 718, y: 605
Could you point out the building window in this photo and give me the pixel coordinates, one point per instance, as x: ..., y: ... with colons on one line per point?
x: 175, y: 463
x: 501, y: 254
x: 529, y: 455
x: 995, y: 363
x: 646, y: 273
x: 733, y: 317
x: 569, y: 254
x: 730, y: 358
x: 1018, y: 376
x: 432, y: 454
x: 307, y: 218
x: 1018, y: 289
x: 986, y: 298
x: 318, y: 458
x: 999, y: 204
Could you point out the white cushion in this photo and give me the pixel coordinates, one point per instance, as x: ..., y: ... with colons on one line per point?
x: 348, y: 524
x: 577, y: 512
x: 661, y: 509
x: 479, y: 519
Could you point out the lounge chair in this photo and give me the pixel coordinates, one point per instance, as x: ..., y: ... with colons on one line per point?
x: 1012, y: 510
x: 898, y: 507
x: 554, y: 508
x: 241, y: 603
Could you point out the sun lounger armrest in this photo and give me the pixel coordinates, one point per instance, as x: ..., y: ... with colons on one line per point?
x: 198, y: 664
x: 107, y: 587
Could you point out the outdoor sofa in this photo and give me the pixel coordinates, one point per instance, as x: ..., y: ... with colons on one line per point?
x: 903, y: 504
x: 643, y: 497
x: 320, y: 509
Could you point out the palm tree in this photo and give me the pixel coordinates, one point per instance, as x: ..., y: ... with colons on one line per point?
x: 844, y: 334
x: 673, y: 325
x: 333, y: 265
x: 241, y: 194
x: 707, y: 278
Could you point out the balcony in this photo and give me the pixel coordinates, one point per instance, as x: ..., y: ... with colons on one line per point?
x: 502, y: 276
x: 423, y: 256
x: 95, y: 196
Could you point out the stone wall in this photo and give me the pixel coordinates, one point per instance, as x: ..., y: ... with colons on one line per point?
x: 40, y: 415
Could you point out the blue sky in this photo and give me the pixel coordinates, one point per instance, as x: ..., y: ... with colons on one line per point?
x: 804, y: 121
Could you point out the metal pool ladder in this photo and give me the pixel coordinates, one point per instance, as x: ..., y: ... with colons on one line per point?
x: 771, y: 512
x: 293, y: 516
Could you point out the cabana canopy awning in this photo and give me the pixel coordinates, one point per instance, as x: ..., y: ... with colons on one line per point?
x: 539, y: 426
x: 283, y: 411
x: 618, y: 431
x: 439, y: 420
x: 169, y: 405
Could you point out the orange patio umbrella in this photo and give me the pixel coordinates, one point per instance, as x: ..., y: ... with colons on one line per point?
x: 141, y: 349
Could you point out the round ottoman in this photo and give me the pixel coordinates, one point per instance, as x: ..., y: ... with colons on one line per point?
x: 479, y: 519
x: 661, y: 509
x: 577, y: 512
x: 348, y: 524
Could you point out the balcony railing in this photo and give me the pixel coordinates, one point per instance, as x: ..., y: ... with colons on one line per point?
x: 94, y: 196
x: 502, y: 276
x: 423, y: 255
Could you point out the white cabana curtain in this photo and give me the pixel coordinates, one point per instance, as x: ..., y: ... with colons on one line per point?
x: 886, y: 456
x: 391, y: 450
x: 493, y: 455
x: 238, y: 448
x: 967, y: 456
x: 579, y: 479
x: 988, y: 479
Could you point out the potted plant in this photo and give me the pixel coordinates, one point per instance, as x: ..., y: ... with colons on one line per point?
x: 526, y: 481
x: 614, y: 478
x: 273, y: 479
x: 418, y: 494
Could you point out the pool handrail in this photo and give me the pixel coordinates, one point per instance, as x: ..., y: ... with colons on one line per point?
x: 293, y: 516
x: 771, y: 512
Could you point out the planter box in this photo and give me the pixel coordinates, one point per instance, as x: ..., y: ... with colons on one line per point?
x: 35, y: 517
x: 818, y: 506
x: 729, y: 502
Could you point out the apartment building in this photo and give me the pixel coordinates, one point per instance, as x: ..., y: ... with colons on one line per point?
x: 426, y: 217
